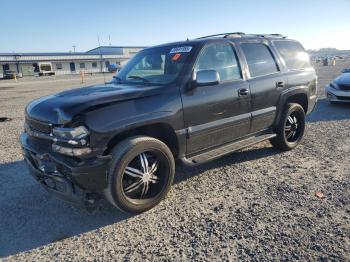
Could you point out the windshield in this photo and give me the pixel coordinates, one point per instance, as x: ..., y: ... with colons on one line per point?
x: 160, y: 65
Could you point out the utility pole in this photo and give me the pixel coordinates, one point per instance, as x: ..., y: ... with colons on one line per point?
x: 74, y: 48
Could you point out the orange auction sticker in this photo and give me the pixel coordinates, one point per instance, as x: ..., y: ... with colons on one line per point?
x: 176, y: 57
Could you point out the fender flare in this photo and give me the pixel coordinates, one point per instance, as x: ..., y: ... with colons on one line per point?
x: 286, y: 94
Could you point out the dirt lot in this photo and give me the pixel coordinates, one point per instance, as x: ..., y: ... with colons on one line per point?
x: 258, y: 204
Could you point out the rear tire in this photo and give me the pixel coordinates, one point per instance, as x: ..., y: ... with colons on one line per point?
x: 140, y: 175
x: 290, y: 129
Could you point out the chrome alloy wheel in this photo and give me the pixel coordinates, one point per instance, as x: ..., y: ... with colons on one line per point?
x: 141, y: 178
x: 291, y: 128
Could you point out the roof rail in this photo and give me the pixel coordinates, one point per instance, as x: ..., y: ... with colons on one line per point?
x: 272, y: 35
x: 240, y: 34
x: 225, y: 35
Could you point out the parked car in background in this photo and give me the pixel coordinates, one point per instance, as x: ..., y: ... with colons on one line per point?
x: 339, y: 89
x: 10, y: 74
x: 194, y: 100
x: 113, y: 68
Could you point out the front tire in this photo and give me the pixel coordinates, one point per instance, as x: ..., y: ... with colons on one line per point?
x: 290, y: 129
x: 140, y: 175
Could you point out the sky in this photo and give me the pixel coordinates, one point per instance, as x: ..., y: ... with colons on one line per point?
x: 58, y: 25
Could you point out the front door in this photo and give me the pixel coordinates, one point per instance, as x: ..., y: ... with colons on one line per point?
x: 217, y: 114
x: 72, y: 67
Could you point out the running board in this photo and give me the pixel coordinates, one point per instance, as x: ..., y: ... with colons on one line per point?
x: 225, y: 149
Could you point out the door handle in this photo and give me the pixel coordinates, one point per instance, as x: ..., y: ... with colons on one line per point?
x: 279, y: 84
x: 243, y: 92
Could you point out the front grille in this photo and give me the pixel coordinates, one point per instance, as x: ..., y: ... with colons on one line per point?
x: 39, y: 126
x: 343, y: 97
x: 344, y: 86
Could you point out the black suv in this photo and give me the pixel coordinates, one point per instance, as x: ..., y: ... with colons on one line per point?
x: 195, y: 101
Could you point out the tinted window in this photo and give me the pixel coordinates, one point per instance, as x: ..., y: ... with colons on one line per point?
x: 293, y: 54
x: 259, y: 58
x: 222, y: 58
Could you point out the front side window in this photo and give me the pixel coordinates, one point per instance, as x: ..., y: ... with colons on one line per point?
x: 160, y: 65
x: 293, y: 54
x: 222, y: 58
x: 259, y: 59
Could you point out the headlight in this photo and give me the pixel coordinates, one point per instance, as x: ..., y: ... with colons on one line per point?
x: 71, y: 141
x: 71, y: 133
x: 334, y: 85
x: 71, y: 151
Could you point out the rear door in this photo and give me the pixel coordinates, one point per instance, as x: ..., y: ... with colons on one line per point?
x: 217, y: 114
x: 266, y: 81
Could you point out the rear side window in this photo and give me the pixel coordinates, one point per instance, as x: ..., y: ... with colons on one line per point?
x: 222, y: 58
x: 293, y: 54
x: 259, y: 59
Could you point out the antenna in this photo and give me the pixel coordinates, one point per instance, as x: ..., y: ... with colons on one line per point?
x: 101, y: 59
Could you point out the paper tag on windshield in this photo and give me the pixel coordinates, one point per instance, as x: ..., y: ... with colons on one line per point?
x: 182, y: 49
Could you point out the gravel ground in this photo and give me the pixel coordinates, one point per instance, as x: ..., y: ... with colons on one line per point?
x: 258, y: 204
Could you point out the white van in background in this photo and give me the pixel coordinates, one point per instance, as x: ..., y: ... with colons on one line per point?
x: 45, y: 69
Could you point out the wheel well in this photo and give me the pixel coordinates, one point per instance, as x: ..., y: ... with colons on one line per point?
x: 300, y: 99
x: 163, y: 132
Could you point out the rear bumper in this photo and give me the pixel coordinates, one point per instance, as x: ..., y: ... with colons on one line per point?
x: 62, y: 176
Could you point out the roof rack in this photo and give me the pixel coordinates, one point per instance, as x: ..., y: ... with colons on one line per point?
x: 272, y: 35
x: 225, y: 35
x: 240, y: 34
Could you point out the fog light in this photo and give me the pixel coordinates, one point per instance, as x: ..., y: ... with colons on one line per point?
x: 330, y: 95
x: 71, y: 151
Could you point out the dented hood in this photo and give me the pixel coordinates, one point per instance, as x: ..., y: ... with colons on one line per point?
x: 62, y: 107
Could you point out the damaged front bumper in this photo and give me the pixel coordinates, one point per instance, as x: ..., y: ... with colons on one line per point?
x: 75, y: 180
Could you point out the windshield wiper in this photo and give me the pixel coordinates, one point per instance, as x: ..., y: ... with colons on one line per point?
x: 139, y: 78
x: 119, y: 80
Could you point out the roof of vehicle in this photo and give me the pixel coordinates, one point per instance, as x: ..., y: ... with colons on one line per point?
x: 234, y: 35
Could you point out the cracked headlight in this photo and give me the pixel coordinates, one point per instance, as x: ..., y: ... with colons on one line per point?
x: 71, y: 141
x: 75, y: 133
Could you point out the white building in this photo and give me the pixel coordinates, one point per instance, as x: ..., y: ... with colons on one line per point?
x: 93, y: 61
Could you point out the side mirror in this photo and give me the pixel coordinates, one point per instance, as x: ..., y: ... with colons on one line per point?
x: 343, y: 71
x: 206, y: 78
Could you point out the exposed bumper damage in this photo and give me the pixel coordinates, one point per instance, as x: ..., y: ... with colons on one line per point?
x: 73, y: 180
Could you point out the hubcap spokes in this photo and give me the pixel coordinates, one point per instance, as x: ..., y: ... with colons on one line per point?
x: 143, y: 177
x: 291, y: 127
